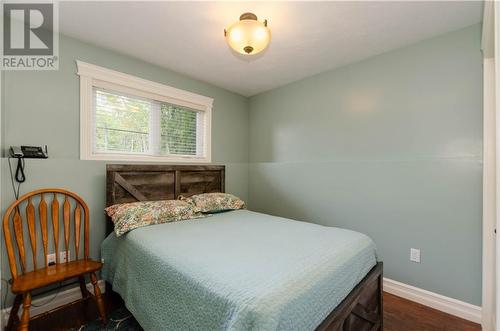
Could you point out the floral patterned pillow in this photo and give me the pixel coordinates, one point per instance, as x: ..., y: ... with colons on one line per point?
x: 215, y: 202
x: 129, y: 216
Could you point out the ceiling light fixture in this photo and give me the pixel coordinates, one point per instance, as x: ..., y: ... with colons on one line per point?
x: 248, y: 36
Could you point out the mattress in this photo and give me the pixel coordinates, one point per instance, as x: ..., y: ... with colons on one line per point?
x: 237, y: 270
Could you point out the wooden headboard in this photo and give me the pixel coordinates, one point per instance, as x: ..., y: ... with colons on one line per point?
x: 140, y: 182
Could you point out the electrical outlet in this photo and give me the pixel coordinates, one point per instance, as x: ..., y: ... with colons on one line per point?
x: 415, y: 255
x: 63, y: 258
x: 51, y: 259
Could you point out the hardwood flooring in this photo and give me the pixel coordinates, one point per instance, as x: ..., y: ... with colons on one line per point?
x: 404, y: 315
x: 399, y: 315
x: 73, y: 316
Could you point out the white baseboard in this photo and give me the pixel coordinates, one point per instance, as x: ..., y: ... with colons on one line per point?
x: 437, y: 301
x: 62, y: 298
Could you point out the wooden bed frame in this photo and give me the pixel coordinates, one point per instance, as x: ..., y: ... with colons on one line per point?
x: 361, y: 310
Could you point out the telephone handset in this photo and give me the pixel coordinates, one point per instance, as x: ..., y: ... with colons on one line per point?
x: 29, y: 152
x: 15, y: 151
x: 20, y: 153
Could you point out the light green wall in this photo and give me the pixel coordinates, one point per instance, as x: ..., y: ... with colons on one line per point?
x: 43, y: 108
x: 392, y: 147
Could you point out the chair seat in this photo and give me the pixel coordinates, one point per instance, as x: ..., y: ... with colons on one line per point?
x: 53, y: 274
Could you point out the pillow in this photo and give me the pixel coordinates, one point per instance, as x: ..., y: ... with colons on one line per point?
x: 129, y: 216
x: 216, y: 202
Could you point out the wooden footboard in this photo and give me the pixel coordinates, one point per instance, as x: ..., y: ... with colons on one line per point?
x: 362, y: 309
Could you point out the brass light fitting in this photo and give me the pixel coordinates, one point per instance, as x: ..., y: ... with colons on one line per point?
x: 248, y: 36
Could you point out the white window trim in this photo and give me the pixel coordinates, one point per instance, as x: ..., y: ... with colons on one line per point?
x: 92, y: 75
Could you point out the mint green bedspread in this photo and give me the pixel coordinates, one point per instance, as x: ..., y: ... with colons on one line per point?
x: 238, y: 270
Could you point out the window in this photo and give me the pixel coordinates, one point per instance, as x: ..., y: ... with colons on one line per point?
x: 126, y: 118
x: 133, y: 125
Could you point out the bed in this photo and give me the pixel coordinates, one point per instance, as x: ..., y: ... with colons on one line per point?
x: 237, y: 270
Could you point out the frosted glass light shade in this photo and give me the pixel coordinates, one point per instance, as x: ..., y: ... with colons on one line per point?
x: 248, y: 36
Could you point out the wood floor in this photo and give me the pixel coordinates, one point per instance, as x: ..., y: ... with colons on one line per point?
x: 399, y: 315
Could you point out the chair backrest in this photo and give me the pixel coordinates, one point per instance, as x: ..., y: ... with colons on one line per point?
x: 71, y: 203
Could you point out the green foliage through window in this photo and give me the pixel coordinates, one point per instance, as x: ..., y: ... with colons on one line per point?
x: 178, y: 130
x: 126, y: 124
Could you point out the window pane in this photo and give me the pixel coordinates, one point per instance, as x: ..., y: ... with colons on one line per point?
x: 178, y: 130
x: 121, y: 122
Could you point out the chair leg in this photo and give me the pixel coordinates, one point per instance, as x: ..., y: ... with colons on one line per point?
x: 83, y: 287
x: 98, y: 298
x: 13, y: 318
x: 25, y: 317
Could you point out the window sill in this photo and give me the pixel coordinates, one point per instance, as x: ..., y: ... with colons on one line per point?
x: 144, y: 158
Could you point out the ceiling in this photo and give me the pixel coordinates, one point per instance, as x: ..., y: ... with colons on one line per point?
x: 307, y: 37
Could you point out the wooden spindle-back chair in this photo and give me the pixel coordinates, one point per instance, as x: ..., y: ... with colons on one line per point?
x: 30, y: 274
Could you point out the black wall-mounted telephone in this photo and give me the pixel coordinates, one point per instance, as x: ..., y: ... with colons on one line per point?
x: 20, y: 153
x: 29, y: 152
